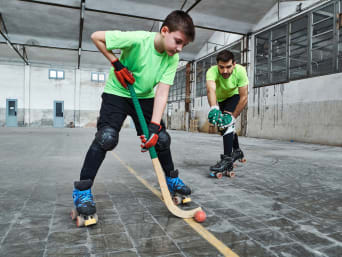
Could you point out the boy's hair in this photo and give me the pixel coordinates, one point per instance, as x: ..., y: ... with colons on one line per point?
x: 180, y: 20
x: 225, y: 56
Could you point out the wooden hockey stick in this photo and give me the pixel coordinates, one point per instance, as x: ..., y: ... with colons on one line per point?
x: 157, y: 167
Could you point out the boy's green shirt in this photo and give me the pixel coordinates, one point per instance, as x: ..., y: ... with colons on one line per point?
x: 226, y: 88
x: 139, y: 55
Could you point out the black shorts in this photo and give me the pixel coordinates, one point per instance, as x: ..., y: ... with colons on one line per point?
x: 114, y: 110
x: 229, y: 104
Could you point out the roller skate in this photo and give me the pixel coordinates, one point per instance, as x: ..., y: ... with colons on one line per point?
x: 85, y: 210
x: 178, y: 190
x: 223, y: 167
x: 238, y: 155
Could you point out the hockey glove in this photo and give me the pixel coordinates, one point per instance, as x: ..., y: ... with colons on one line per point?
x: 214, y: 115
x: 122, y: 73
x: 153, y: 130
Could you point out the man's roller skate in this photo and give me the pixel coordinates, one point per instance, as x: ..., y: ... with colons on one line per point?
x: 178, y: 190
x: 85, y: 210
x: 237, y: 154
x: 223, y: 167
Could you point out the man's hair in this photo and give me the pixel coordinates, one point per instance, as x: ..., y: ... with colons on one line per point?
x: 225, y: 56
x: 180, y: 20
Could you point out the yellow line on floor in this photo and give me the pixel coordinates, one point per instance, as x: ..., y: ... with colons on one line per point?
x: 221, y: 247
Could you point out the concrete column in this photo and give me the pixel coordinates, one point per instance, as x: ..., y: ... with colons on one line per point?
x: 77, y: 111
x: 27, y: 80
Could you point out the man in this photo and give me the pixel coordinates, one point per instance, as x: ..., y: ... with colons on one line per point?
x: 227, y: 90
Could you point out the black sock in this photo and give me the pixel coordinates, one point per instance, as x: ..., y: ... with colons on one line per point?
x: 236, y: 142
x: 92, y: 162
x: 166, y: 162
x: 228, y: 144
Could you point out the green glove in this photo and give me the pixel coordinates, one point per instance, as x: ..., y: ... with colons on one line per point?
x: 226, y: 120
x: 214, y: 115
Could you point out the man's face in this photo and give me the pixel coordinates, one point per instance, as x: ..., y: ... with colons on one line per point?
x: 226, y: 68
x: 173, y: 41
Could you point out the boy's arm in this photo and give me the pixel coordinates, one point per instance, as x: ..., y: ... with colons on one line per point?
x: 99, y: 39
x: 160, y: 101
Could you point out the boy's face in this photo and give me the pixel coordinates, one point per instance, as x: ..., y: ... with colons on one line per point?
x: 173, y: 41
x: 226, y: 68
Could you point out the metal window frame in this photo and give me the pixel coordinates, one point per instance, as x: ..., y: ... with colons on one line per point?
x: 335, y: 69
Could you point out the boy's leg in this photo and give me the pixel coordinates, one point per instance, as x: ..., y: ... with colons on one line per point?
x: 112, y: 115
x: 175, y: 184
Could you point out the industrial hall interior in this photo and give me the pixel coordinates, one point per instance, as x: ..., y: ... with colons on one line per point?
x: 171, y: 128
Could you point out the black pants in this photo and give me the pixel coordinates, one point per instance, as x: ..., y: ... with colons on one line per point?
x: 114, y: 110
x: 230, y: 141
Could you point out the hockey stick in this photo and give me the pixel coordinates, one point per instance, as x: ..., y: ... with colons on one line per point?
x: 157, y: 167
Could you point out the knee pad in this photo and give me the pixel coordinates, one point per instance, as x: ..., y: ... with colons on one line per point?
x: 107, y: 138
x: 164, y: 141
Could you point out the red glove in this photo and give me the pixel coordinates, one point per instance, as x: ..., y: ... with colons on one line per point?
x: 122, y: 74
x: 153, y: 129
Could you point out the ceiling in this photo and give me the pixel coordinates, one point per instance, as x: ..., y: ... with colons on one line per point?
x: 49, y: 30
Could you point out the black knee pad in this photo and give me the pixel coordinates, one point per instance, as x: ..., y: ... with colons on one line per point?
x: 107, y: 138
x: 164, y: 141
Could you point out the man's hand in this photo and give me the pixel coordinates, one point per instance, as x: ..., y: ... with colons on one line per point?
x: 122, y: 73
x: 214, y: 114
x: 226, y: 120
x: 153, y: 130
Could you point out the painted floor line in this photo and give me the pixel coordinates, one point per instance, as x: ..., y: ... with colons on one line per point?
x: 221, y: 247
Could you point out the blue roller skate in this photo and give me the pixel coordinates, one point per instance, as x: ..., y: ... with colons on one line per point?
x: 178, y: 190
x: 85, y: 208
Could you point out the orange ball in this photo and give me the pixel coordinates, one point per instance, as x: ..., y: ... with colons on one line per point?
x: 200, y: 216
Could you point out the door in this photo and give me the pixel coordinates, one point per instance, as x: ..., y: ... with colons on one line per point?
x: 11, y: 113
x: 58, y: 110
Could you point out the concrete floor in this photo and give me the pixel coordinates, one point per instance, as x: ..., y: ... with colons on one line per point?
x: 285, y: 201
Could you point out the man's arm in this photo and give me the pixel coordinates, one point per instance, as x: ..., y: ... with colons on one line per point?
x: 211, y: 92
x: 99, y: 39
x: 243, y: 92
x: 160, y: 101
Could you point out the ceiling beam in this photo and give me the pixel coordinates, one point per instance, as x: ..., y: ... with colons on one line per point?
x: 193, y: 6
x: 13, y: 47
x: 131, y: 15
x: 81, y: 33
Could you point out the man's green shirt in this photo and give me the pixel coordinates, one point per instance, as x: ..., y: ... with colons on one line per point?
x: 226, y: 88
x: 139, y: 55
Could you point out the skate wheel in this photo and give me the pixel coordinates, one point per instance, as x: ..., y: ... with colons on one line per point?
x: 177, y: 200
x: 79, y: 221
x: 186, y: 200
x: 212, y: 174
x: 74, y: 214
x: 231, y: 174
x: 242, y: 160
x: 219, y: 175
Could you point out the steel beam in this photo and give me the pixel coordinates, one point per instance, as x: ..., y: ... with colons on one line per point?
x: 13, y: 47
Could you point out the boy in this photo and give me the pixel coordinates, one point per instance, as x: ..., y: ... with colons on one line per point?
x: 147, y: 59
x: 227, y: 84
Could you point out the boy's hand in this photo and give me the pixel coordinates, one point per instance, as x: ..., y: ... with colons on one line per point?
x: 153, y: 130
x: 214, y: 114
x: 122, y: 74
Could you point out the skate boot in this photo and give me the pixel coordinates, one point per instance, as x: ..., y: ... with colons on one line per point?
x: 85, y: 208
x: 223, y: 167
x: 178, y: 190
x: 238, y: 155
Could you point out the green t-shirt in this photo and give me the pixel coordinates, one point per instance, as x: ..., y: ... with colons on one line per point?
x: 138, y: 54
x: 226, y: 88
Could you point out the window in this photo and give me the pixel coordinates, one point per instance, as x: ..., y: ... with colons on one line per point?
x: 303, y: 47
x: 322, y: 41
x: 177, y: 90
x: 262, y: 45
x: 56, y: 74
x: 98, y: 76
x: 298, y: 53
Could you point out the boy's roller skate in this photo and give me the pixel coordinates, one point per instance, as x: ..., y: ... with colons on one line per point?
x: 85, y: 210
x: 178, y: 190
x: 223, y: 167
x: 237, y: 154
